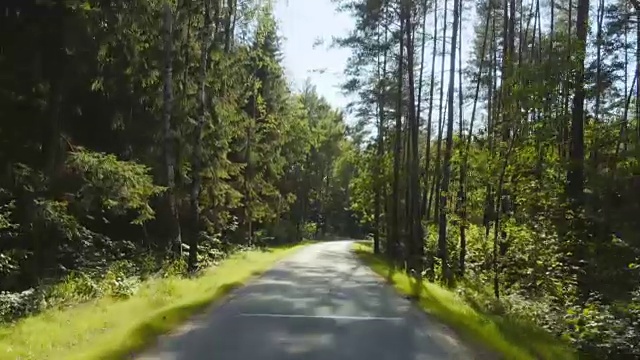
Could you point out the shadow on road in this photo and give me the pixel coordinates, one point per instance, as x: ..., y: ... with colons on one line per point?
x: 320, y: 304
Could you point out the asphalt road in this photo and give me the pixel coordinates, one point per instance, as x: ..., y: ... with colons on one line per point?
x: 320, y: 303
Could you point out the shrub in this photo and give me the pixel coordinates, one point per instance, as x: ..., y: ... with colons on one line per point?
x: 75, y: 288
x: 309, y: 230
x: 17, y: 305
x: 606, y: 331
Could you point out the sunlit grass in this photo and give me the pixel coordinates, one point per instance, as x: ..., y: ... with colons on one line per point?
x: 112, y: 329
x: 508, y: 338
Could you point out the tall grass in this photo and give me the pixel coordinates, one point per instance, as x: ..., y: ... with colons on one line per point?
x: 509, y: 338
x: 111, y: 328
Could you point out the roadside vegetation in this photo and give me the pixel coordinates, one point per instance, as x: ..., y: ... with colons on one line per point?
x: 131, y: 313
x: 145, y: 138
x: 503, y: 161
x: 506, y: 333
x: 141, y: 143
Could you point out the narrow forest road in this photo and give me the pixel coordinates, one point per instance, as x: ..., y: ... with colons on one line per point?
x: 321, y: 303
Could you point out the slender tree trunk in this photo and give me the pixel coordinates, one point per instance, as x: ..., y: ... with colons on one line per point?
x: 173, y: 225
x: 436, y: 174
x: 416, y: 250
x: 435, y: 187
x: 637, y: 74
x: 377, y: 165
x: 565, y: 126
x: 491, y: 124
x: 446, y: 172
x: 395, y: 228
x: 465, y: 161
x: 426, y: 211
x: 575, y: 174
x: 197, y: 146
x: 383, y: 100
x: 422, y: 50
x: 380, y: 141
x: 498, y: 211
x: 229, y: 24
x: 460, y: 197
x: 601, y: 11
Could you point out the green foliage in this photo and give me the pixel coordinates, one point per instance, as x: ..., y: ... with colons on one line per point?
x: 113, y: 327
x: 90, y: 145
x: 507, y: 337
x: 605, y: 331
x: 14, y: 305
x: 73, y: 289
x: 114, y: 185
x: 309, y: 230
x: 540, y: 222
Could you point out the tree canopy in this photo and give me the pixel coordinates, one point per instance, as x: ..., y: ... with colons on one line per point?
x: 160, y: 128
x: 513, y: 177
x: 167, y: 130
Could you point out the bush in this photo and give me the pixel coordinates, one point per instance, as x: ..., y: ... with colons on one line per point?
x: 123, y: 288
x: 17, y: 305
x: 596, y: 330
x: 120, y: 280
x: 606, y: 331
x: 309, y: 230
x: 176, y: 267
x: 75, y: 288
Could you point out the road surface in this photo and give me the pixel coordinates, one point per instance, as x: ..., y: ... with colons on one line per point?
x: 321, y: 303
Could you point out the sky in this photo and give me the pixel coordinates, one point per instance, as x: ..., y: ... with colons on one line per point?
x: 302, y: 22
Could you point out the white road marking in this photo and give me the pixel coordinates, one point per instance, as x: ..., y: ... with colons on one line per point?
x: 336, y: 317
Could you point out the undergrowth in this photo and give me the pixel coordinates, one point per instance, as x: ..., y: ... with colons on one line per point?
x: 511, y: 338
x: 119, y: 316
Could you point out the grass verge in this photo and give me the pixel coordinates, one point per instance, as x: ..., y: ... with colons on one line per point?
x: 506, y: 337
x: 115, y: 329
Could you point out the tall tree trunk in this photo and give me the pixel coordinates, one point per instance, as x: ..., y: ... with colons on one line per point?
x: 395, y: 227
x: 248, y: 171
x: 229, y: 24
x: 435, y: 183
x: 637, y: 72
x: 465, y: 161
x: 565, y: 127
x: 416, y: 250
x: 197, y: 146
x: 601, y: 11
x: 491, y: 123
x: 427, y: 159
x: 498, y: 211
x: 575, y: 173
x: 55, y: 35
x: 173, y: 225
x: 422, y: 51
x: 436, y: 174
x: 446, y: 172
x: 46, y: 245
x: 380, y: 140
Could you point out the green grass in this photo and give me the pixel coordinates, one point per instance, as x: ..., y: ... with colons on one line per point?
x: 506, y: 337
x: 114, y: 329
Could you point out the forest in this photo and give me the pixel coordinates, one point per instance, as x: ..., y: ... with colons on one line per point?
x: 513, y: 177
x: 140, y: 135
x: 137, y: 134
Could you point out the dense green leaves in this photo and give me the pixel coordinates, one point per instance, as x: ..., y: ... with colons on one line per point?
x: 536, y: 205
x: 104, y: 102
x: 114, y: 185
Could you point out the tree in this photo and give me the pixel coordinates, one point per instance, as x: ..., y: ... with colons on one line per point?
x: 520, y: 165
x: 143, y: 146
